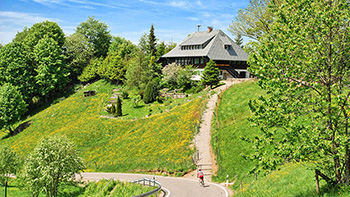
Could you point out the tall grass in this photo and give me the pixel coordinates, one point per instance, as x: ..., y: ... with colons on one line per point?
x: 158, y: 143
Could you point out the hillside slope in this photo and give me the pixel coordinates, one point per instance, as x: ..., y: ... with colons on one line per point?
x: 292, y: 179
x: 158, y: 143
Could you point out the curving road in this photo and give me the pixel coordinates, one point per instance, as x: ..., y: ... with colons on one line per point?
x: 173, y: 186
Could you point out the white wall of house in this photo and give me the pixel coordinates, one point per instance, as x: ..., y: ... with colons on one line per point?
x: 222, y: 74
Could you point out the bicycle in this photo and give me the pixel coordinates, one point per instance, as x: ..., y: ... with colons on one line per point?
x: 201, y: 182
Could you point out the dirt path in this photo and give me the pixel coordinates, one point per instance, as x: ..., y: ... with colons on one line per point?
x: 202, y: 140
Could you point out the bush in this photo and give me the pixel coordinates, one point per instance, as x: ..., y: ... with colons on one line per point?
x: 125, y: 94
x: 151, y: 92
x: 136, y: 101
x: 119, y: 107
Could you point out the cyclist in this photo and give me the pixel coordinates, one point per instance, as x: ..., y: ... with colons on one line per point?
x: 200, y: 175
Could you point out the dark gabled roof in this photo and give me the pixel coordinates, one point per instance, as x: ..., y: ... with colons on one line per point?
x: 214, y: 47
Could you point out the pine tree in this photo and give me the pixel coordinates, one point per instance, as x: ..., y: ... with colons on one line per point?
x: 210, y: 74
x: 152, y: 42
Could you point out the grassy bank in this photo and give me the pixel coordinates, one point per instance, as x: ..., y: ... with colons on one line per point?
x: 158, y: 143
x: 292, y: 179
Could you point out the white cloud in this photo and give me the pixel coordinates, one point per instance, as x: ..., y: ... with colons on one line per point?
x: 180, y: 4
x: 13, y: 22
x: 21, y: 18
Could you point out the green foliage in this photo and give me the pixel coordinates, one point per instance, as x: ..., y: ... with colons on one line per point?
x: 135, y: 100
x: 143, y: 43
x: 151, y: 92
x: 53, y: 162
x: 119, y: 107
x: 12, y: 106
x: 51, y: 68
x: 112, y: 68
x: 210, y: 74
x: 78, y: 52
x: 175, y: 76
x: 152, y: 42
x: 123, y: 48
x: 138, y: 72
x: 239, y: 39
x: 303, y: 65
x: 20, y: 36
x: 9, y: 164
x: 253, y: 21
x: 90, y: 71
x: 97, y: 33
x: 42, y: 29
x: 16, y: 69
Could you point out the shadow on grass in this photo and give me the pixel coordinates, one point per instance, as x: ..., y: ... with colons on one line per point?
x: 19, y: 129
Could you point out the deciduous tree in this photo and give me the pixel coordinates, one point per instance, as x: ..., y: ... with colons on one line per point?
x: 12, y: 106
x: 303, y: 64
x: 54, y: 161
x: 51, y: 68
x: 97, y: 33
x: 78, y: 51
x: 9, y: 165
x: 15, y: 68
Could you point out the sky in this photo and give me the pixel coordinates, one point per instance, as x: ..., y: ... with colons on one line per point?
x: 173, y: 20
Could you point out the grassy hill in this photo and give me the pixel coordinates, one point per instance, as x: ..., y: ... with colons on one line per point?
x: 293, y: 179
x: 158, y: 143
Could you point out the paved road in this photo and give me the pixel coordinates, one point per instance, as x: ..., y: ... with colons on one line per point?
x: 175, y: 186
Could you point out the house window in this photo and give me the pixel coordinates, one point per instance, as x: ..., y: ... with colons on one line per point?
x: 196, y: 60
x: 202, y: 60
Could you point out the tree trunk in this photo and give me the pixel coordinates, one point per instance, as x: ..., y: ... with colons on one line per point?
x: 11, y: 131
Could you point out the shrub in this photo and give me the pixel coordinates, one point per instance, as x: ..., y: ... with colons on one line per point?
x: 151, y: 92
x: 119, y: 107
x: 136, y: 101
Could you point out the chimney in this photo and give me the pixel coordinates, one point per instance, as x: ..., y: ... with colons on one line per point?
x: 210, y: 29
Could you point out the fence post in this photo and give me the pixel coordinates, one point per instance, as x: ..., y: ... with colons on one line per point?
x: 241, y: 185
x: 226, y: 180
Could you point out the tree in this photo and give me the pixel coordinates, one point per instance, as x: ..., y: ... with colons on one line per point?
x: 119, y: 107
x: 97, y: 33
x: 9, y: 164
x: 152, y: 42
x: 123, y: 48
x: 253, y: 21
x: 78, y: 51
x: 51, y: 68
x: 210, y: 74
x: 143, y: 43
x: 171, y: 73
x: 16, y: 69
x: 138, y: 67
x: 112, y: 68
x: 12, y: 106
x: 303, y: 65
x: 39, y: 31
x: 239, y: 40
x: 90, y: 71
x: 54, y: 162
x: 151, y: 92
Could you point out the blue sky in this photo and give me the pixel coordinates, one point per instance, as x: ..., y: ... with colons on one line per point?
x: 173, y: 20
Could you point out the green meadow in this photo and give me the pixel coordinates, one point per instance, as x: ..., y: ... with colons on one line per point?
x: 160, y: 142
x: 292, y: 179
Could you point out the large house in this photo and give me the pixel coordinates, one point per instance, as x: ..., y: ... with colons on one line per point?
x: 200, y: 47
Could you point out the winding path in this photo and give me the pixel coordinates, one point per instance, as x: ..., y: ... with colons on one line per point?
x: 189, y: 186
x: 174, y: 187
